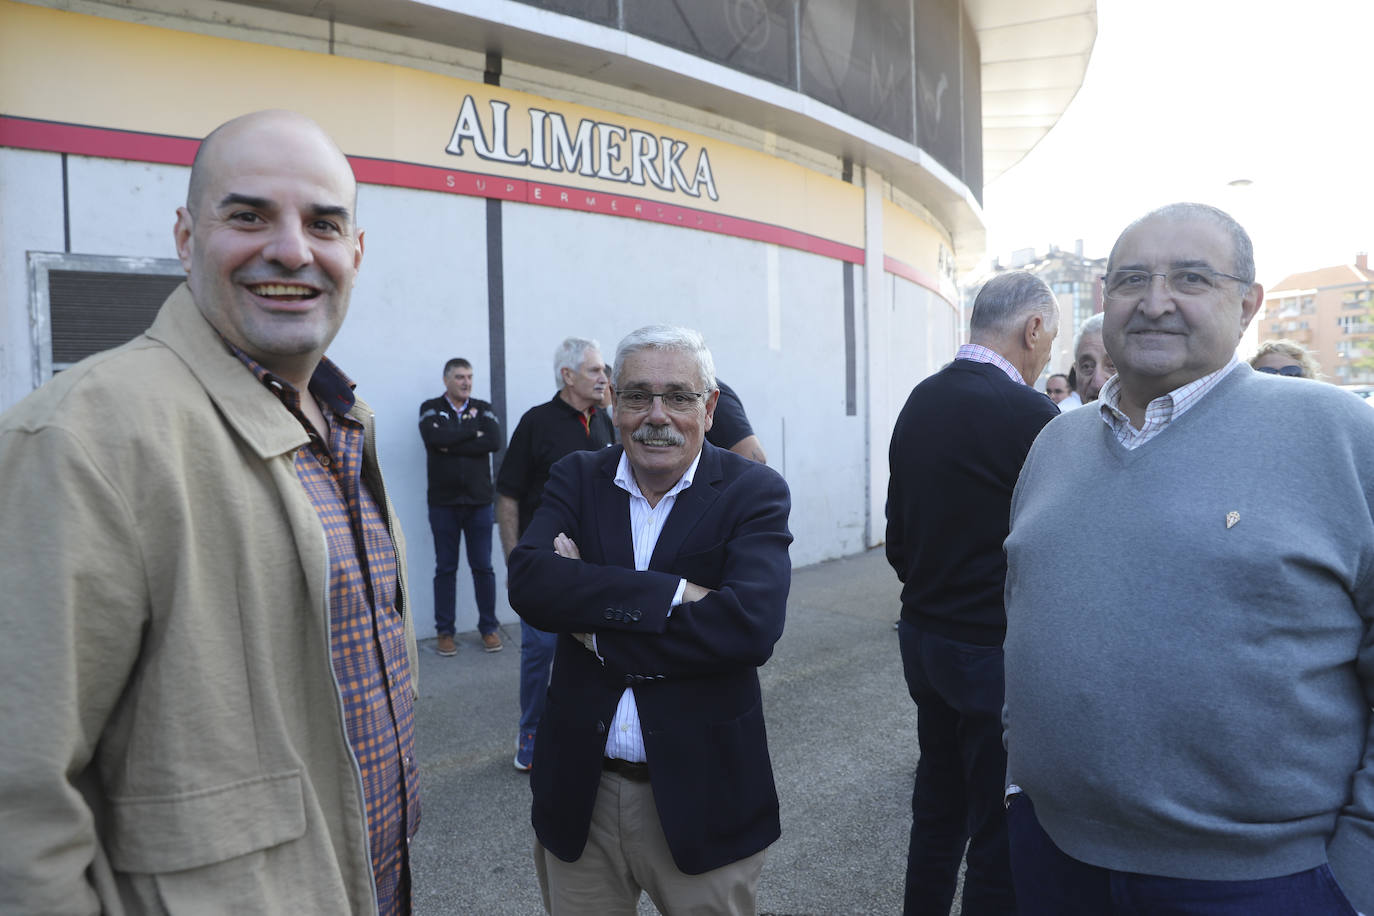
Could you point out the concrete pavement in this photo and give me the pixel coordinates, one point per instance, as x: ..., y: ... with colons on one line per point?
x: 842, y: 731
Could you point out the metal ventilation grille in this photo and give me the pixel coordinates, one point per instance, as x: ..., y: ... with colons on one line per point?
x: 92, y: 311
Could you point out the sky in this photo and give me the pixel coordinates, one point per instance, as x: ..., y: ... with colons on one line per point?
x: 1182, y: 98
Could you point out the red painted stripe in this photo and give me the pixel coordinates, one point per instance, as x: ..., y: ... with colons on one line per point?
x: 915, y: 275
x: 907, y: 272
x: 48, y: 136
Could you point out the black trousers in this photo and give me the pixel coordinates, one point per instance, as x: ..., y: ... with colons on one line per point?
x: 957, y: 799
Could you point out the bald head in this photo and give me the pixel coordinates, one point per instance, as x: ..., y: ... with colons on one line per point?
x: 269, y: 126
x: 269, y: 241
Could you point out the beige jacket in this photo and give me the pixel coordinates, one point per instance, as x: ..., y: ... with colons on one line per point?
x: 171, y: 733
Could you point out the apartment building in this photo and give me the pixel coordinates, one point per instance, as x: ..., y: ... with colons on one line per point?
x: 1331, y: 312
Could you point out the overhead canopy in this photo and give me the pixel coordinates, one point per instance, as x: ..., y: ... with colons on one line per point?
x: 1034, y: 57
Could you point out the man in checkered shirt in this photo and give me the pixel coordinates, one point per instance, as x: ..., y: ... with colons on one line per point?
x: 204, y: 595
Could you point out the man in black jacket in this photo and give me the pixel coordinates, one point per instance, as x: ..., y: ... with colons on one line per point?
x: 460, y: 434
x: 956, y: 451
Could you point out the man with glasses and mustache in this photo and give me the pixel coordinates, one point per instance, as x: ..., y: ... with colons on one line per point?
x: 208, y: 656
x: 1188, y: 713
x: 663, y: 567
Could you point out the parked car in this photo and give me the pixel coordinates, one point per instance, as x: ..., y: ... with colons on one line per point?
x: 1364, y: 391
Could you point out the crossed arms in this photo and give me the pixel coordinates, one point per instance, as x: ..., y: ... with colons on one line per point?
x: 734, y: 560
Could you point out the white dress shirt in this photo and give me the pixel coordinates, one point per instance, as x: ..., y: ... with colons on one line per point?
x: 625, y: 739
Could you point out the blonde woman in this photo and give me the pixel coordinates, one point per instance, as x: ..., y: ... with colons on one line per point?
x: 1286, y: 357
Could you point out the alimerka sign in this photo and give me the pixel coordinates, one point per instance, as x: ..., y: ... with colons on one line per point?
x: 594, y: 149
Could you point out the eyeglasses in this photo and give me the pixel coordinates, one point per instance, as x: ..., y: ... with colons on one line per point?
x: 637, y: 400
x: 1290, y: 371
x: 1183, y: 281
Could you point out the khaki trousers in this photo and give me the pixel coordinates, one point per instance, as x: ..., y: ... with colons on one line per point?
x: 627, y: 854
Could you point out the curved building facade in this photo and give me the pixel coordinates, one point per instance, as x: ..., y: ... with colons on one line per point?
x: 798, y: 180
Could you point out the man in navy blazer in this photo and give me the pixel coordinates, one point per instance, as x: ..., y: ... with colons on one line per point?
x: 663, y: 567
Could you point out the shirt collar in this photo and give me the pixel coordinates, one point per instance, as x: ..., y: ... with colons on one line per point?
x: 981, y: 354
x: 588, y: 413
x: 625, y: 478
x: 1171, y: 404
x: 458, y: 407
x: 328, y: 383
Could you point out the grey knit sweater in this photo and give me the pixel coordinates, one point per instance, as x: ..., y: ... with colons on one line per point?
x: 1189, y: 652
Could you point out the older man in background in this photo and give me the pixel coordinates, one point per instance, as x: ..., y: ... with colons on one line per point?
x: 1091, y: 362
x: 956, y: 450
x: 571, y: 421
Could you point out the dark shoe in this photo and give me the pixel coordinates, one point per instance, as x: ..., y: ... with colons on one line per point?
x: 445, y: 646
x: 524, y: 752
x: 491, y: 642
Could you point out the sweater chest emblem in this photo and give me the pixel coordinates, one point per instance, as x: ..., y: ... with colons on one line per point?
x: 1231, y: 518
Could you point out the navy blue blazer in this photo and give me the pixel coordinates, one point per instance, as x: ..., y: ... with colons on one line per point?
x: 695, y: 673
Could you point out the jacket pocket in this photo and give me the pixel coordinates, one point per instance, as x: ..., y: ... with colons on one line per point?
x: 153, y: 834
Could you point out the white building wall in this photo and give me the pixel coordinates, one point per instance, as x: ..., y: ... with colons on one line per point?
x: 774, y: 323
x: 876, y: 337
x: 124, y: 208
x: 420, y: 299
x: 30, y: 220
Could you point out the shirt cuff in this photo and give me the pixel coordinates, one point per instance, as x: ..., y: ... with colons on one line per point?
x: 677, y: 596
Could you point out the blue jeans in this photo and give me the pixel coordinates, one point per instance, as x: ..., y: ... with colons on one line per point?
x: 1049, y: 882
x: 536, y: 662
x: 957, y: 798
x: 450, y: 524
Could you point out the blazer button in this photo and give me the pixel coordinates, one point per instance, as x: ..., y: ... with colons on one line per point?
x: 601, y: 728
x: 629, y: 679
x: 610, y: 614
x: 635, y: 615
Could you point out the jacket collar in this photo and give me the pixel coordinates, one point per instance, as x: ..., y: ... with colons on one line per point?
x: 254, y: 412
x: 690, y: 506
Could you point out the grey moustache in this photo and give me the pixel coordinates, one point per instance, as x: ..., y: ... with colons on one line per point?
x: 660, y: 435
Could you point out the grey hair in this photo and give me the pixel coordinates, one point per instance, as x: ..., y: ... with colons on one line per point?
x: 1007, y: 300
x: 570, y: 354
x: 1243, y: 250
x: 1092, y: 326
x: 667, y: 337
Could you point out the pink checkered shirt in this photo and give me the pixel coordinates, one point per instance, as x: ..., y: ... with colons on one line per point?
x: 1160, y: 412
x: 981, y: 354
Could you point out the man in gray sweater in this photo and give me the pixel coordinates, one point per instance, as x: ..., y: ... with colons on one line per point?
x: 1188, y: 713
